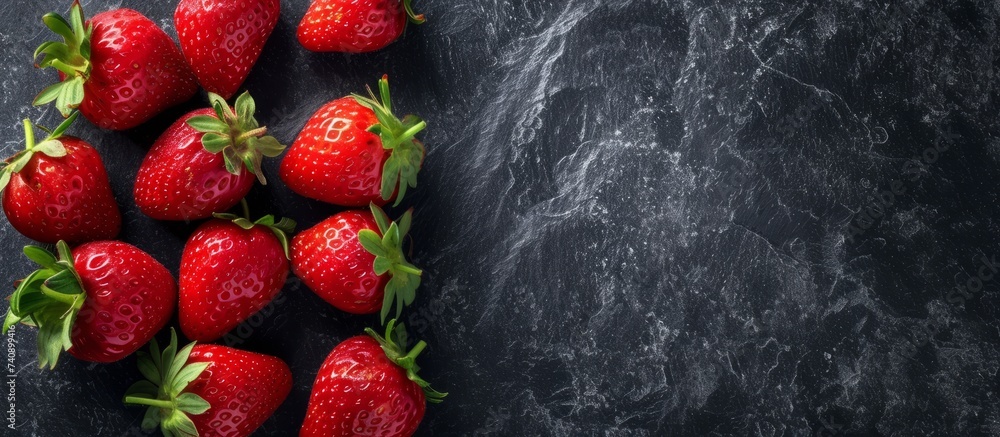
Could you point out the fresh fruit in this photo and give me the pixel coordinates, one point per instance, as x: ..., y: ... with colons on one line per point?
x: 230, y: 269
x: 119, y: 68
x: 354, y: 26
x: 196, y: 168
x: 100, y: 302
x: 222, y: 39
x: 58, y: 189
x: 354, y: 151
x: 355, y: 261
x: 208, y: 390
x: 368, y: 386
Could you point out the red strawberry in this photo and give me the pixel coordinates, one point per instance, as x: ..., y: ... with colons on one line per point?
x: 230, y: 269
x: 119, y: 68
x: 208, y: 390
x: 354, y: 260
x: 100, y: 303
x: 353, y: 151
x: 58, y: 190
x: 222, y: 39
x: 354, y: 26
x: 368, y: 386
x: 196, y: 167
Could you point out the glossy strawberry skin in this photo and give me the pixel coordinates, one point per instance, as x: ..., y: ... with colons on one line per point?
x: 222, y: 39
x: 243, y: 388
x: 331, y: 261
x: 227, y: 274
x: 66, y: 198
x: 137, y: 71
x: 130, y: 296
x: 180, y: 180
x: 353, y: 26
x: 360, y: 392
x: 335, y: 159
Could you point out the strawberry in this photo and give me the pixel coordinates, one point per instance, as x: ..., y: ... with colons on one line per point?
x: 208, y: 390
x: 354, y: 151
x: 354, y: 26
x: 195, y: 168
x: 230, y: 269
x: 354, y: 260
x: 100, y: 302
x: 119, y: 68
x: 222, y: 39
x: 368, y: 386
x: 58, y: 189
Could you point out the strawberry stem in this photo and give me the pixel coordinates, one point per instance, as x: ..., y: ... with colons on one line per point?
x: 71, y: 300
x: 411, y: 357
x: 408, y: 269
x: 261, y: 131
x: 412, y: 16
x: 29, y: 134
x: 412, y: 131
x: 138, y: 400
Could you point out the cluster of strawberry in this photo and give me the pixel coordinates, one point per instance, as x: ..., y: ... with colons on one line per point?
x: 101, y: 300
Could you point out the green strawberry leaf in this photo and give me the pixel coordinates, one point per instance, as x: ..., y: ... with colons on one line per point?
x: 60, y: 26
x: 269, y: 146
x: 187, y: 374
x: 61, y: 129
x: 245, y: 110
x: 49, y: 94
x: 215, y: 143
x: 192, y: 403
x: 151, y: 419
x: 148, y: 367
x: 207, y: 124
x: 179, y: 424
x: 4, y: 178
x: 372, y: 243
x: 70, y: 95
x: 142, y: 388
x: 63, y: 282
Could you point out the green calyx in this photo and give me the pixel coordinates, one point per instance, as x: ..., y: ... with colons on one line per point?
x: 398, y: 136
x: 50, y: 146
x: 393, y: 344
x: 389, y: 258
x: 237, y: 135
x: 50, y: 299
x: 412, y: 16
x: 71, y: 57
x: 167, y: 374
x: 281, y: 228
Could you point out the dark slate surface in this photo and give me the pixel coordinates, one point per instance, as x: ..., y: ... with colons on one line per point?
x: 637, y: 217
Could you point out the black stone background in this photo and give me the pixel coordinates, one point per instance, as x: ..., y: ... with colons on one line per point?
x: 635, y: 216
